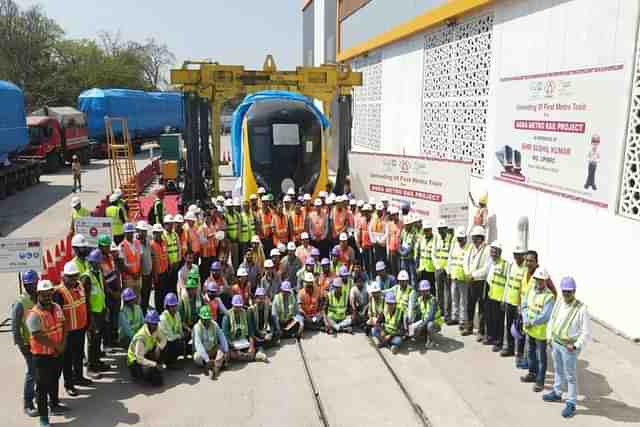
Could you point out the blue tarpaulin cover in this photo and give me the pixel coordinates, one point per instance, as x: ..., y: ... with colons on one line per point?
x: 147, y: 113
x: 241, y: 111
x: 13, y: 122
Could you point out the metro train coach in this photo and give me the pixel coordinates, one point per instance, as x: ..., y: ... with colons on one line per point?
x: 279, y: 141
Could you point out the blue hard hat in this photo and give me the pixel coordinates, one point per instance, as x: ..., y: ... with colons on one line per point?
x: 152, y: 317
x: 335, y: 251
x: 128, y: 295
x: 568, y: 284
x: 324, y: 261
x: 212, y: 287
x: 344, y: 271
x: 129, y: 228
x: 215, y: 265
x: 95, y: 256
x: 315, y: 252
x: 30, y: 277
x: 170, y: 300
x: 390, y: 297
x: 380, y: 266
x: 310, y: 261
x: 237, y: 301
x: 260, y: 292
x: 424, y: 285
x: 337, y: 282
x: 285, y: 286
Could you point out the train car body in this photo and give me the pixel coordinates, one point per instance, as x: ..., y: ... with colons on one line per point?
x: 279, y: 142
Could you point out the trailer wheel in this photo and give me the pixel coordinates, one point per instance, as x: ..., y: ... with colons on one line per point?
x: 53, y: 163
x: 85, y: 157
x: 3, y: 188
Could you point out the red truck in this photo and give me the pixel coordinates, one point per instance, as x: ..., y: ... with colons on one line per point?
x: 55, y: 135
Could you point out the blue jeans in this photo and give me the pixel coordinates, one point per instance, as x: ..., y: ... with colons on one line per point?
x: 564, y: 362
x: 395, y: 341
x: 409, y: 265
x: 538, y: 359
x: 28, y: 380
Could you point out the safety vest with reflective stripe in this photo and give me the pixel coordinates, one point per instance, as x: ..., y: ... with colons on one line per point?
x: 514, y: 283
x: 337, y: 308
x: 132, y: 255
x: 498, y: 280
x: 97, y: 302
x: 427, y: 306
x: 51, y: 326
x: 402, y: 297
x: 82, y: 264
x: 317, y: 224
x: 339, y: 222
x: 443, y: 246
x: 310, y: 303
x: 159, y: 257
x: 281, y: 229
x: 560, y: 330
x: 171, y: 240
x: 297, y: 225
x: 393, y: 237
x: 208, y: 247
x: 231, y: 219
x: 457, y: 262
x: 392, y: 322
x: 238, y: 329
x: 424, y: 249
x: 134, y: 316
x: 147, y: 339
x: 535, y: 304
x: 376, y: 308
x: 363, y: 233
x: 246, y: 227
x: 117, y: 226
x: 266, y: 317
x: 74, y: 307
x: 266, y: 219
x: 284, y: 311
x: 27, y: 304
x: 79, y: 213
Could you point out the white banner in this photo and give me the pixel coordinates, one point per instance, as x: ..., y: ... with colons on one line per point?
x: 91, y: 227
x: 427, y: 184
x: 556, y: 132
x: 19, y: 255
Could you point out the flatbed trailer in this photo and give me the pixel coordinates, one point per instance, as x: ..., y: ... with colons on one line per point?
x: 19, y: 175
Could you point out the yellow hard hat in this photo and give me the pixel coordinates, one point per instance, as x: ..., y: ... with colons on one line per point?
x: 484, y: 199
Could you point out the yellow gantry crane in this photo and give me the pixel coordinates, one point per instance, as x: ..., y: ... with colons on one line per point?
x: 219, y: 83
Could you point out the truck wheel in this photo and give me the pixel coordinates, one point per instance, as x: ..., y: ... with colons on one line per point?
x: 3, y: 188
x: 85, y: 158
x: 53, y: 162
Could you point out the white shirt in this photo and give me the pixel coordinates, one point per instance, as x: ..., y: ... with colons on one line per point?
x: 580, y: 328
x: 477, y: 262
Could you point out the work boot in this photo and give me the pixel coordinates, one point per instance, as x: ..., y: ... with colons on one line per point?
x: 529, y: 378
x: 30, y: 411
x: 452, y: 322
x: 569, y: 410
x: 466, y: 332
x: 58, y: 408
x: 538, y: 388
x: 552, y: 396
x: 496, y: 348
x: 71, y: 391
x: 395, y: 349
x: 461, y: 326
x: 215, y: 373
x: 261, y: 357
x: 82, y: 381
x: 348, y: 330
x: 506, y: 353
x: 481, y: 338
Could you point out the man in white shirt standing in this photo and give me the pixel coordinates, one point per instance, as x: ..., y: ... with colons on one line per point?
x: 568, y: 331
x: 476, y: 267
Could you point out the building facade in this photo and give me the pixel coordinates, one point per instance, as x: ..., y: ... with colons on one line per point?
x: 543, y: 98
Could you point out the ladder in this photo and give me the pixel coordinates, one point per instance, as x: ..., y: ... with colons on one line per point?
x: 122, y: 168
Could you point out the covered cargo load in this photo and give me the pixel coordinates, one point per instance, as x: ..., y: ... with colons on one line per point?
x: 13, y: 123
x: 147, y: 113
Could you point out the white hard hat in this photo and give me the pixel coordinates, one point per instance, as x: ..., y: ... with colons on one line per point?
x: 44, y: 285
x: 367, y: 207
x: 379, y: 206
x: 190, y: 216
x: 228, y: 202
x: 323, y: 194
x: 426, y: 224
x: 520, y: 250
x: 219, y: 235
x: 157, y: 228
x: 114, y: 197
x: 541, y: 273
x: 75, y: 201
x: 268, y: 264
x: 142, y: 225
x: 113, y: 247
x: 261, y: 190
x: 264, y: 198
x: 496, y: 245
x: 360, y: 203
x: 372, y: 201
x: 168, y: 218
x: 282, y: 248
x: 236, y: 202
x: 353, y: 202
x: 304, y: 235
x: 220, y: 199
x: 255, y: 239
x: 343, y: 237
x: 308, y: 276
x: 197, y: 210
x: 403, y: 275
x: 393, y: 210
x: 192, y: 208
x: 117, y: 191
x: 291, y: 246
x: 306, y: 197
x: 78, y: 241
x: 178, y: 218
x: 477, y: 231
x: 330, y: 200
x: 253, y: 197
x: 460, y: 234
x: 274, y: 252
x: 442, y: 223
x: 71, y: 269
x: 291, y: 192
x: 242, y: 272
x: 286, y: 199
x: 317, y: 202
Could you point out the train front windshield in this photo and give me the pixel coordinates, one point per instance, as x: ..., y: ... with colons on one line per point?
x: 285, y: 140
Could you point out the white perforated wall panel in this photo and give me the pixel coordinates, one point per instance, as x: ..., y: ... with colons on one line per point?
x: 367, y: 103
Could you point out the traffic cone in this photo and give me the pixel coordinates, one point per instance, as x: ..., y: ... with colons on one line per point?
x: 43, y: 274
x: 52, y: 271
x: 59, y: 259
x: 68, y: 252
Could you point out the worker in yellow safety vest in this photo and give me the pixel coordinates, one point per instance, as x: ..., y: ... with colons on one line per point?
x: 145, y: 351
x: 511, y: 303
x: 94, y: 285
x: 232, y: 221
x: 476, y: 267
x: 426, y: 269
x: 441, y: 249
x: 496, y: 281
x: 77, y: 211
x: 80, y: 250
x: 247, y: 229
x: 336, y: 318
x: 536, y: 312
x: 459, y: 287
x: 116, y: 212
x: 426, y: 318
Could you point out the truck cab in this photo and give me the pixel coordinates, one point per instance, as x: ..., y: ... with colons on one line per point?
x: 55, y: 135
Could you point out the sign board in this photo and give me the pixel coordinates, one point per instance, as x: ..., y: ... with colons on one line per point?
x: 455, y: 214
x: 19, y: 255
x: 556, y: 132
x: 91, y: 227
x: 427, y: 184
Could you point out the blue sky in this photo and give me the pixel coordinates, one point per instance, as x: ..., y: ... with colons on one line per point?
x: 233, y: 32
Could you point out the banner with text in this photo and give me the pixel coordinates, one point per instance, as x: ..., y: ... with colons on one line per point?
x: 91, y: 227
x: 557, y: 133
x: 19, y: 255
x: 427, y: 184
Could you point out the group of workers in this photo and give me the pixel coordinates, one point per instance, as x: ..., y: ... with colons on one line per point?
x: 231, y: 280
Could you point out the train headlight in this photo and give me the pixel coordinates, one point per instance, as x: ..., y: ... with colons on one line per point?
x: 286, y: 184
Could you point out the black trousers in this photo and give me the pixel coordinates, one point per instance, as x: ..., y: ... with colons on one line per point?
x: 147, y: 283
x: 162, y: 289
x: 205, y: 267
x: 477, y: 297
x: 379, y: 253
x: 173, y: 350
x: 495, y: 321
x: 151, y: 375
x: 430, y: 276
x: 394, y: 263
x: 591, y: 176
x: 72, y: 360
x: 367, y: 262
x: 95, y: 332
x: 47, y: 374
x: 443, y: 292
x: 111, y: 327
x: 172, y: 284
